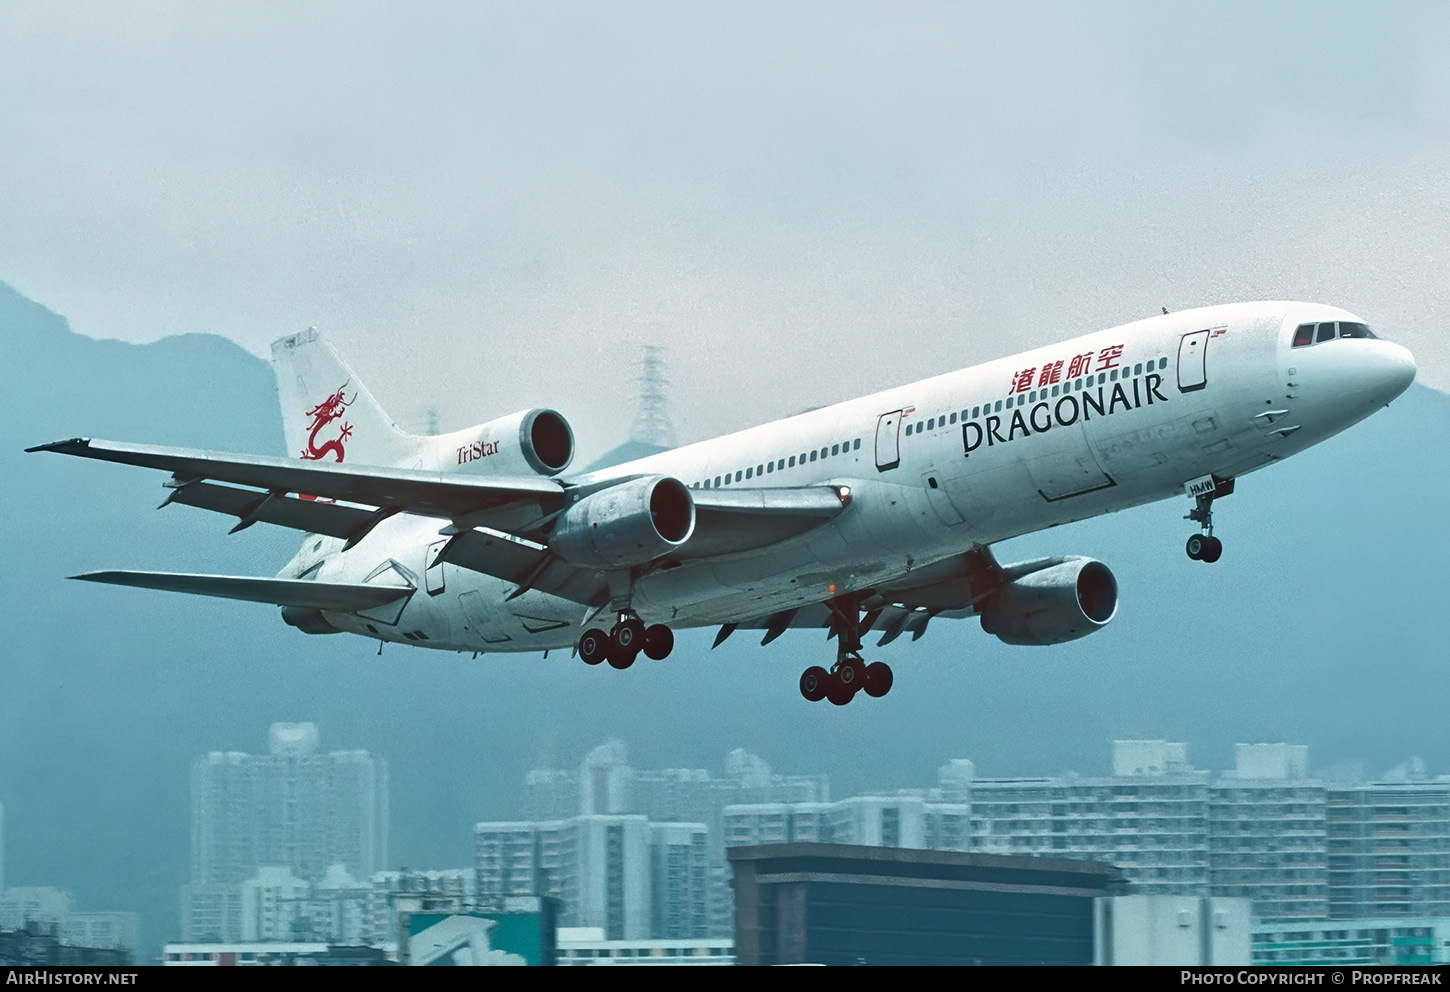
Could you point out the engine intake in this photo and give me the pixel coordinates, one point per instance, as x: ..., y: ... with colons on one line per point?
x: 538, y: 441
x: 628, y: 524
x: 1054, y: 605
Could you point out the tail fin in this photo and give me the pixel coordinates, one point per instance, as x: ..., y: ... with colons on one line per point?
x: 327, y: 413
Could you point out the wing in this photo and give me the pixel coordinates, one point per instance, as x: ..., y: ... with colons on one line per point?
x: 950, y: 588
x: 335, y: 596
x: 725, y: 523
x: 512, y: 504
x: 499, y: 526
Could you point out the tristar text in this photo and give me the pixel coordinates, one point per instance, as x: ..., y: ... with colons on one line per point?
x: 477, y: 450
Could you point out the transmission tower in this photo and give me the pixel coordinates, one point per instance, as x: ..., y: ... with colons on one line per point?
x: 653, y: 426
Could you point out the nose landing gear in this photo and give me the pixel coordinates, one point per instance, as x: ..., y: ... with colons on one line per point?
x: 1205, y: 547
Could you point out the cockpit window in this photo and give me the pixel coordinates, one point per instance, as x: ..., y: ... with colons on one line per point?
x: 1305, y: 334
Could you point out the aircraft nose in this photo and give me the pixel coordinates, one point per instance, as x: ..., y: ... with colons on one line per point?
x: 1391, y: 370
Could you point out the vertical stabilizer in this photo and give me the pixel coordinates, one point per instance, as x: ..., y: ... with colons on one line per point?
x: 327, y: 413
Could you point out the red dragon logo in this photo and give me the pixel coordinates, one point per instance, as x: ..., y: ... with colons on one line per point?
x: 323, y: 414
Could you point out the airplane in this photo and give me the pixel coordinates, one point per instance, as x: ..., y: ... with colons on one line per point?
x: 878, y: 513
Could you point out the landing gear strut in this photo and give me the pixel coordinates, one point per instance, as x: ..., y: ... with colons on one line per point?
x: 625, y: 640
x: 1204, y: 546
x: 850, y: 674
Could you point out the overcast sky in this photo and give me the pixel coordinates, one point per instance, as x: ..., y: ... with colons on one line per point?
x: 491, y: 206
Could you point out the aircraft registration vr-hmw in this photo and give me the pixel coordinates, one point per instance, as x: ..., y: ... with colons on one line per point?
x: 874, y: 514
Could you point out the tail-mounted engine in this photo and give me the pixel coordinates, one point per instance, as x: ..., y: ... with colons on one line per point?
x: 530, y: 441
x: 1057, y: 604
x: 625, y: 525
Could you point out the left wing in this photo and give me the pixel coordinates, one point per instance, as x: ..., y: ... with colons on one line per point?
x: 517, y: 503
x: 499, y: 526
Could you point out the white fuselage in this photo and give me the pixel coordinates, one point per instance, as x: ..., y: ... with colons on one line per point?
x: 1096, y: 424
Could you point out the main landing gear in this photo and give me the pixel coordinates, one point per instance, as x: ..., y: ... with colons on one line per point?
x: 850, y: 674
x: 1204, y: 546
x: 625, y: 640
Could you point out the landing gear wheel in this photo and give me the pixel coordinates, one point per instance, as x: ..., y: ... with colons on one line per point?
x: 593, y: 646
x: 628, y: 634
x: 1212, y: 550
x: 878, y: 679
x: 851, y: 672
x: 815, y: 681
x: 1196, y: 545
x: 621, y: 658
x: 659, y: 641
x: 837, y: 693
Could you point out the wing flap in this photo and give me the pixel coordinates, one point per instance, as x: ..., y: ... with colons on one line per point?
x: 727, y: 521
x: 527, y: 565
x: 248, y: 505
x: 335, y: 597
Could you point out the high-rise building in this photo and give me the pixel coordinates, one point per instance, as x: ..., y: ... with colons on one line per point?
x: 1267, y: 833
x: 1389, y: 849
x: 679, y: 881
x: 607, y: 784
x: 1298, y: 847
x: 294, y: 808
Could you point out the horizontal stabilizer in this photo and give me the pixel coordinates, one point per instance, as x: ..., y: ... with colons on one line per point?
x: 335, y: 597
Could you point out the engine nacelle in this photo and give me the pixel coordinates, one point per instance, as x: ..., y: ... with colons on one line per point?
x: 1057, y: 604
x: 530, y: 441
x: 628, y: 524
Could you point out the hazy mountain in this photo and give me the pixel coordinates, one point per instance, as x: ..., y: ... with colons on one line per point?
x: 1321, y: 625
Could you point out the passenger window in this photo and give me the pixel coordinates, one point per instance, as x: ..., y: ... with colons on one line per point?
x: 999, y: 406
x: 781, y: 465
x: 749, y: 472
x: 856, y: 444
x: 953, y: 419
x: 813, y: 456
x: 1303, y: 335
x: 760, y: 470
x: 931, y: 424
x: 824, y: 449
x: 737, y: 476
x: 717, y: 482
x: 1102, y: 378
x: 1162, y: 363
x: 835, y: 449
x: 1032, y: 397
x: 1326, y: 331
x: 1054, y: 390
x: 792, y: 461
x: 976, y: 412
x: 1113, y: 375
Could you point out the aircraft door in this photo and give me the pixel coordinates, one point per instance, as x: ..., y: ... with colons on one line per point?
x: 888, y: 441
x: 433, y: 568
x: 1192, y: 373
